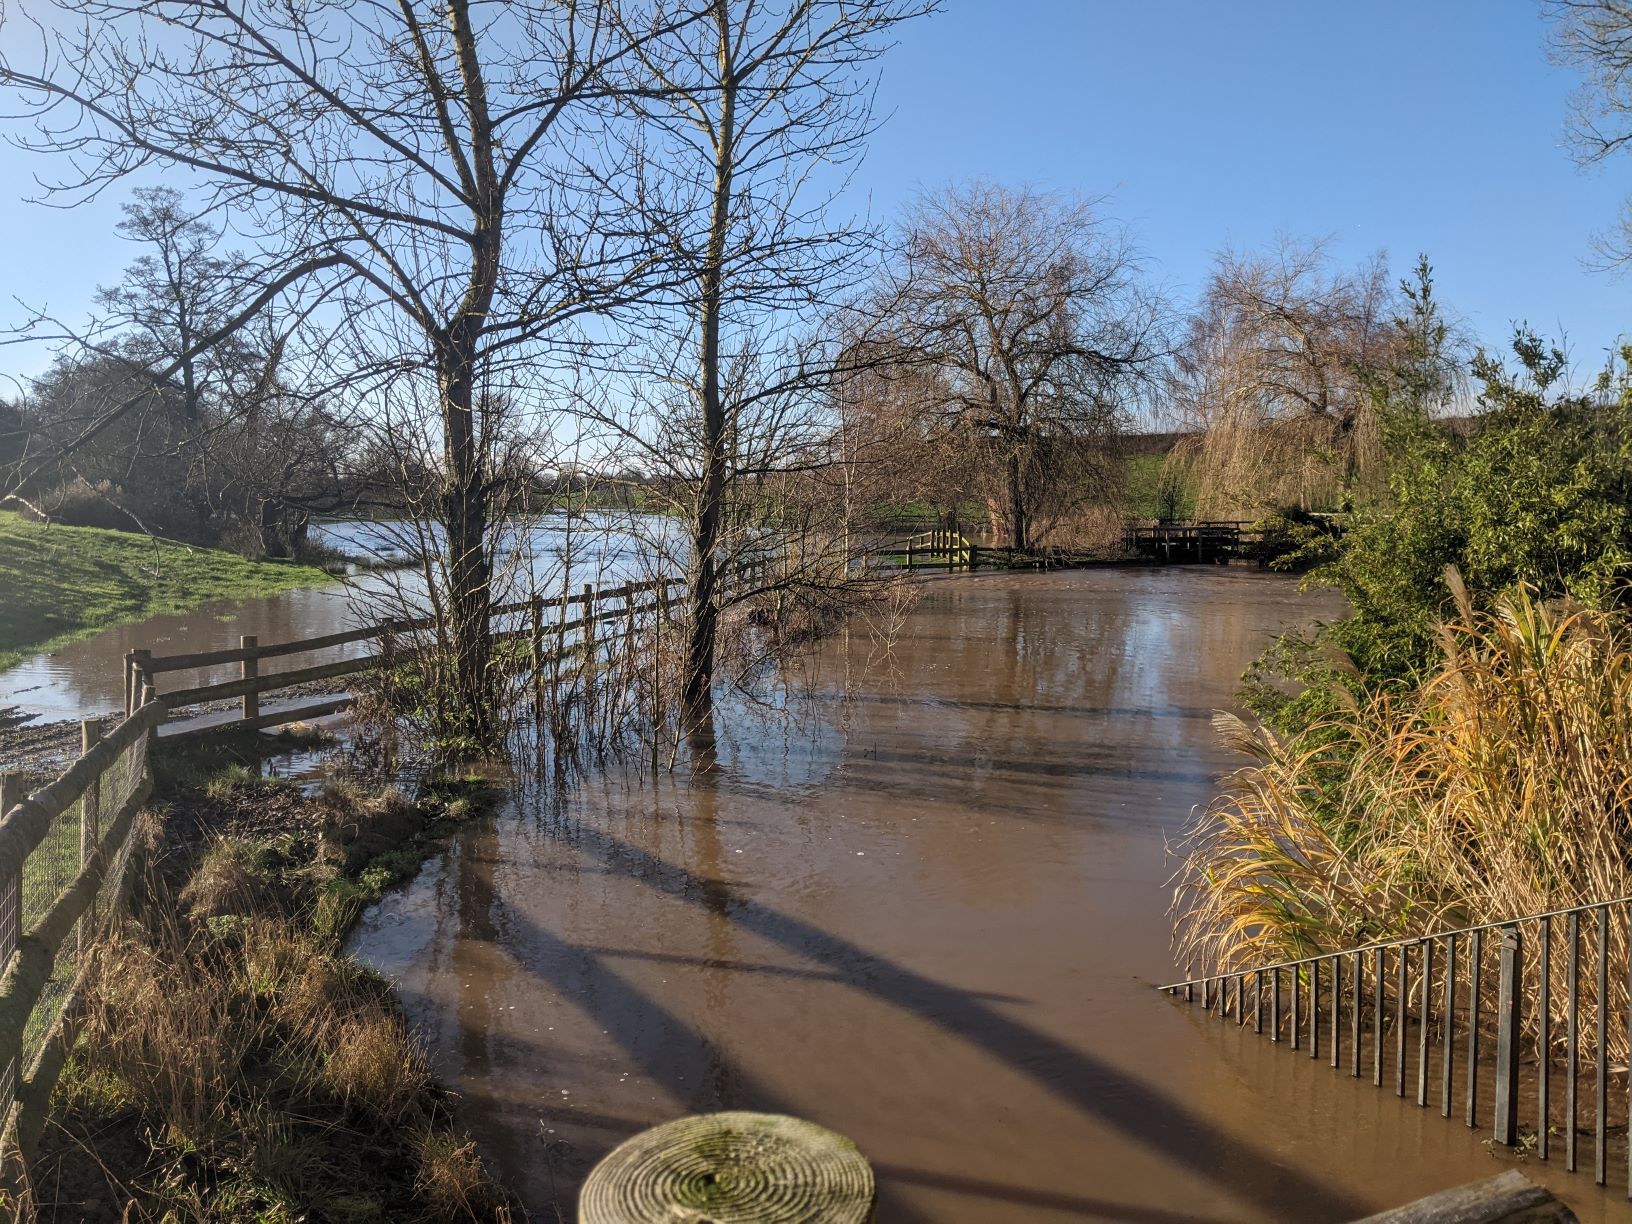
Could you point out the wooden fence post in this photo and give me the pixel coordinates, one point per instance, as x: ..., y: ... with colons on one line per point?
x: 589, y: 623
x: 130, y: 683
x: 388, y: 651
x: 140, y: 676
x: 536, y: 611
x: 11, y: 926
x: 250, y: 669
x: 910, y: 550
x: 90, y: 827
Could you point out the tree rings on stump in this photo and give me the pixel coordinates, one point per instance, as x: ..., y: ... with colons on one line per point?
x: 731, y: 1168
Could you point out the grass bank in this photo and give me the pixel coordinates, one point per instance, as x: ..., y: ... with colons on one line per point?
x: 63, y: 583
x: 236, y: 1066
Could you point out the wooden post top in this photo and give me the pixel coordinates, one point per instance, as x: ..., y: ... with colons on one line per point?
x: 731, y: 1168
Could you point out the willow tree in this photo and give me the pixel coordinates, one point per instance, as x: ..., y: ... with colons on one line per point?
x: 1033, y: 313
x: 1276, y: 380
x: 435, y: 178
x: 760, y: 108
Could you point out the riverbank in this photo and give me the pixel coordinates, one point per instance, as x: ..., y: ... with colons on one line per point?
x: 236, y: 1065
x: 66, y: 583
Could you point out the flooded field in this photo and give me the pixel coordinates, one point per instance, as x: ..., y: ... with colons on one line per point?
x: 86, y: 678
x: 925, y: 908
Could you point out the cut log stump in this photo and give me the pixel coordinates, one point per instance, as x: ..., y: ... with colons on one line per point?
x: 1508, y: 1198
x: 731, y: 1168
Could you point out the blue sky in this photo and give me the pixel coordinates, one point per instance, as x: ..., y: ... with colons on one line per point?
x: 1434, y: 126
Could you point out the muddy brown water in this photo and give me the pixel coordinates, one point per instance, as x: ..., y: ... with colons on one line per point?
x: 86, y: 678
x: 925, y: 907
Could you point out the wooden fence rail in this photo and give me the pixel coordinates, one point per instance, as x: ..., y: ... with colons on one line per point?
x: 65, y: 849
x: 254, y: 682
x: 64, y: 870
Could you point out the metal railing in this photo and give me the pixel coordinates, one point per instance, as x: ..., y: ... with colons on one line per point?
x: 1485, y: 1021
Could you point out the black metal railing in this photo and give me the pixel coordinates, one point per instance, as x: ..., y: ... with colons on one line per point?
x: 1419, y: 1014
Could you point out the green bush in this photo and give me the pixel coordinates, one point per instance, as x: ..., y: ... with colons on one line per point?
x: 1537, y: 489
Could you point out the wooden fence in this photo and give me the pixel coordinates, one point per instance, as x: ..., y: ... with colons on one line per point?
x: 543, y: 623
x: 64, y: 871
x: 65, y: 849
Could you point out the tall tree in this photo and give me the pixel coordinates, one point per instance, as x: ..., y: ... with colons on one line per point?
x: 1276, y: 379
x: 756, y: 99
x: 1033, y: 311
x: 434, y: 174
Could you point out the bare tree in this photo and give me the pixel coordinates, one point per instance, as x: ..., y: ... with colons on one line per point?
x: 1033, y: 312
x: 1276, y: 379
x: 1595, y: 37
x: 431, y: 180
x: 753, y: 99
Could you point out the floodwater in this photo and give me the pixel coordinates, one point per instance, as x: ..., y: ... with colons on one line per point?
x: 86, y: 678
x: 925, y: 907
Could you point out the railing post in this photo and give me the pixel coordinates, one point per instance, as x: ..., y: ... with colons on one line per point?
x: 1572, y: 1035
x: 250, y: 669
x: 1600, y: 1125
x: 1544, y: 1039
x: 910, y: 550
x: 1275, y: 1004
x: 90, y: 826
x: 130, y: 683
x: 1475, y: 957
x: 1507, y: 1036
x: 1425, y: 1013
x: 589, y: 623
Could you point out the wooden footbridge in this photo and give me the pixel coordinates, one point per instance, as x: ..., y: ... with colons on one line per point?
x: 1199, y: 543
x: 1170, y: 543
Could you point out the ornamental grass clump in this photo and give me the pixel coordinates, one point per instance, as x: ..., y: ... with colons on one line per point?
x: 1500, y: 786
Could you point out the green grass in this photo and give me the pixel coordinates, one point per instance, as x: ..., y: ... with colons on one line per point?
x: 1144, y: 488
x: 62, y: 583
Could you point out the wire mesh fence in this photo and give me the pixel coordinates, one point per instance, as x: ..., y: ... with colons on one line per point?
x: 64, y: 851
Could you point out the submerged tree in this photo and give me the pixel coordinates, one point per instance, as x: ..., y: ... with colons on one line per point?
x: 431, y: 180
x: 729, y: 409
x: 1034, y: 315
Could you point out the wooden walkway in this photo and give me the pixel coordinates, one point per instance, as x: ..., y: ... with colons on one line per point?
x: 1195, y: 543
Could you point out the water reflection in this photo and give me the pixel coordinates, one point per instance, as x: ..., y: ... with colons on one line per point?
x: 548, y: 554
x: 927, y: 912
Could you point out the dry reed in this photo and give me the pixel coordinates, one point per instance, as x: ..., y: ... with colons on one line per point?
x: 1500, y: 787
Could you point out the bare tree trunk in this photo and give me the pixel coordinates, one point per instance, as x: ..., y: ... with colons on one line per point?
x: 702, y: 588
x: 464, y: 509
x: 1018, y: 533
x: 464, y: 519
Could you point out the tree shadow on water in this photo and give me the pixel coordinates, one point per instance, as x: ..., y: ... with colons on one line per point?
x: 698, y: 1073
